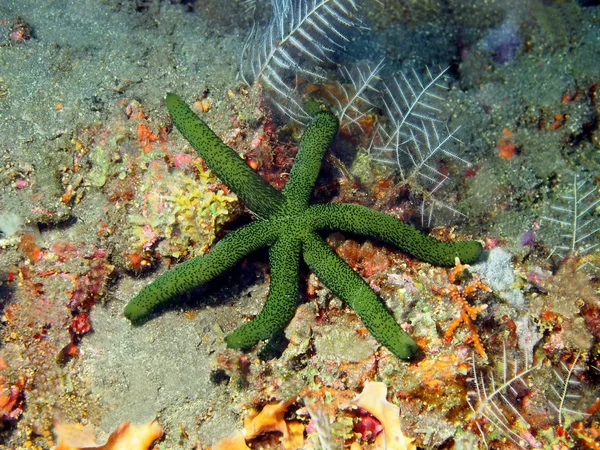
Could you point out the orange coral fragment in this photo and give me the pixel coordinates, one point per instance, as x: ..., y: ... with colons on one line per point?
x: 74, y: 435
x: 146, y: 137
x: 589, y: 437
x: 125, y: 437
x: 558, y: 121
x: 9, y: 397
x: 203, y: 105
x: 28, y: 246
x: 270, y: 419
x: 296, y: 435
x: 594, y: 407
x: 234, y: 442
x: 506, y: 147
x: 366, y: 257
x: 438, y: 372
x: 468, y: 313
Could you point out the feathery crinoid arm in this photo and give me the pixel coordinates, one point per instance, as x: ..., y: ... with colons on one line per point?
x: 260, y: 197
x: 368, y: 222
x: 349, y: 286
x: 197, y: 271
x: 284, y: 259
x: 314, y: 144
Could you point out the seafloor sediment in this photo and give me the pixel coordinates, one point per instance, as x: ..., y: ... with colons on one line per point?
x: 99, y: 194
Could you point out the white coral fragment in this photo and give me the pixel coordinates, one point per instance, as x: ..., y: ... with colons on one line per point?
x: 373, y: 399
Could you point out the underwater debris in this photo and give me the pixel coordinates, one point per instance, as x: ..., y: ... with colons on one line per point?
x: 373, y: 399
x: 20, y: 31
x: 11, y: 398
x: 126, y: 437
x: 334, y: 418
x: 236, y: 441
x: 269, y: 420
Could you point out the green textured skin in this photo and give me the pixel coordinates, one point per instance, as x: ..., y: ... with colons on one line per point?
x: 197, y: 271
x: 284, y: 257
x: 368, y: 222
x: 307, y: 163
x: 289, y: 224
x: 346, y: 284
x: 260, y: 197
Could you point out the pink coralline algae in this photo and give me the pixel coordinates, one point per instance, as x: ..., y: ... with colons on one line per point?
x: 182, y: 160
x: 87, y: 287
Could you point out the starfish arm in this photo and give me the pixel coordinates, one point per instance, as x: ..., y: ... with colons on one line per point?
x: 198, y: 271
x: 307, y: 162
x: 284, y: 258
x: 350, y: 287
x: 260, y: 197
x: 368, y: 222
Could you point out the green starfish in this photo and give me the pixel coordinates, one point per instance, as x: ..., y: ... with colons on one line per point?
x: 288, y: 224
